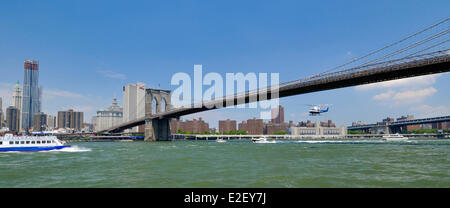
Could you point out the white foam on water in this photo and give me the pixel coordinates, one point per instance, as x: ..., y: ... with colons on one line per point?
x: 15, y: 152
x: 168, y: 147
x: 311, y: 141
x: 66, y: 149
x: 72, y: 149
x: 265, y: 142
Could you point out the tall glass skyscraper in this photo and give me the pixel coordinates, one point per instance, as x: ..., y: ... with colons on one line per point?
x: 30, y: 99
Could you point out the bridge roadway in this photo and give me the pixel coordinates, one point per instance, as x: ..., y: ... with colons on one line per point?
x: 402, y: 123
x: 430, y: 63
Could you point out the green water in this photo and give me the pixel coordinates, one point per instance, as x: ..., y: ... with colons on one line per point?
x: 422, y: 163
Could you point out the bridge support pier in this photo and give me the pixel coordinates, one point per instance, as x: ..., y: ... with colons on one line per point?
x: 388, y: 130
x: 396, y: 129
x: 157, y: 130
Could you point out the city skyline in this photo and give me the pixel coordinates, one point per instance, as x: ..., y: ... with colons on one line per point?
x: 300, y: 46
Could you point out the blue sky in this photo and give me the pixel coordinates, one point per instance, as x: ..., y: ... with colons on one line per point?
x: 88, y: 50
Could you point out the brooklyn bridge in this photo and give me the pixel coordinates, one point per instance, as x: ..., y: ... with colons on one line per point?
x: 421, y: 56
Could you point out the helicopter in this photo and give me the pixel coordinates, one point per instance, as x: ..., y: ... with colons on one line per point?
x: 316, y: 110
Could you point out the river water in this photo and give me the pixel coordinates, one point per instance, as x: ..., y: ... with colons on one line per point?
x: 415, y: 163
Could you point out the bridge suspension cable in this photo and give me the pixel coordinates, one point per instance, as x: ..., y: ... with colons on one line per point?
x: 383, y: 48
x: 433, y: 46
x: 411, y: 46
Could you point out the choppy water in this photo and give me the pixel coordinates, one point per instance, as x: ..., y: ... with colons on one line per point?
x: 419, y: 163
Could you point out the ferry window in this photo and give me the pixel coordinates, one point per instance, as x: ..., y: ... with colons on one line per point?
x: 11, y: 142
x: 32, y: 142
x: 1, y: 143
x: 38, y: 142
x: 48, y: 142
x: 28, y: 142
x: 22, y: 142
x: 17, y: 142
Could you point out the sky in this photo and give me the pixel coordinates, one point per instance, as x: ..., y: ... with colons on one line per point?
x: 88, y: 50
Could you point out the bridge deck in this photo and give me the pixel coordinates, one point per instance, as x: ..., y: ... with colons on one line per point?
x: 403, y: 123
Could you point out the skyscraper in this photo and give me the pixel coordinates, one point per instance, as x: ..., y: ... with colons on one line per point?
x: 17, y: 96
x: 278, y: 115
x: 51, y: 122
x: 1, y: 114
x: 30, y: 99
x: 133, y: 102
x: 12, y: 119
x: 40, y: 122
x: 17, y: 100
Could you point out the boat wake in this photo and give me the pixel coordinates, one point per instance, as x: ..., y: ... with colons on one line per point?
x: 72, y: 149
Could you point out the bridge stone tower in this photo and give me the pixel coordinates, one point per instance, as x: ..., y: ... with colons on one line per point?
x: 157, y: 129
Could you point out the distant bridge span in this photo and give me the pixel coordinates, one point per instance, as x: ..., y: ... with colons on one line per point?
x: 397, y: 126
x: 430, y: 63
